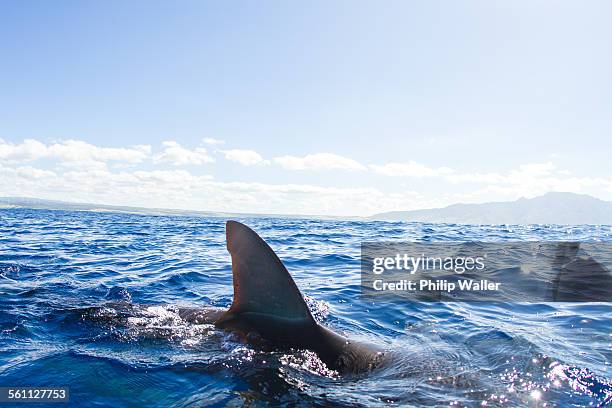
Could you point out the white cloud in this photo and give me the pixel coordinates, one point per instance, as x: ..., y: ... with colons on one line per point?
x: 72, y: 153
x: 524, y: 175
x: 78, y: 153
x: 319, y: 161
x: 177, y: 155
x: 410, y: 169
x: 32, y: 173
x: 244, y: 157
x: 531, y: 180
x: 520, y: 175
x: 527, y: 180
x: 28, y: 150
x: 84, y: 174
x: 212, y: 141
x: 184, y: 190
x: 536, y: 169
x: 305, y: 198
x: 483, y: 178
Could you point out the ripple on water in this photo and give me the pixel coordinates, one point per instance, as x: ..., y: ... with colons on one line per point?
x: 91, y: 300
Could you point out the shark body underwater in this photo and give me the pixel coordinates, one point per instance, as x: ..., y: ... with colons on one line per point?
x: 268, y: 309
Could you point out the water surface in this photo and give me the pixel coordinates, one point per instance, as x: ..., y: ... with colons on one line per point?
x: 67, y: 279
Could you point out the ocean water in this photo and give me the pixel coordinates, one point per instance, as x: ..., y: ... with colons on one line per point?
x: 68, y: 278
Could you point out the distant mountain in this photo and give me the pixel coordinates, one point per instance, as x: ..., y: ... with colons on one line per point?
x: 37, y: 203
x: 42, y: 204
x: 550, y: 208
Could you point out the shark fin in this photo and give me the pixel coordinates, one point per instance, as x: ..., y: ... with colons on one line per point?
x: 262, y: 284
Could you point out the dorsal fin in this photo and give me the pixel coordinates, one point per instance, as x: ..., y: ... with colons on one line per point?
x: 262, y: 284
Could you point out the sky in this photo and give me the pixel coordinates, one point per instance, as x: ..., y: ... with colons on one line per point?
x: 318, y: 107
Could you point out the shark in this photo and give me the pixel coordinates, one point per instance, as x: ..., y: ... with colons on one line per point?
x: 269, y: 310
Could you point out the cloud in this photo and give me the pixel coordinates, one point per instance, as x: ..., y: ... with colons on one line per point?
x: 536, y: 169
x: 32, y: 173
x: 28, y: 150
x: 244, y: 157
x: 527, y: 180
x: 532, y: 180
x: 212, y: 141
x: 319, y: 161
x: 410, y: 169
x: 523, y: 175
x: 81, y: 154
x: 306, y: 198
x: 184, y: 190
x: 177, y: 155
x: 77, y: 170
x: 72, y: 153
x: 470, y: 178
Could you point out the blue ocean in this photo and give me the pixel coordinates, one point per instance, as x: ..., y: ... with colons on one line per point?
x: 66, y: 278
